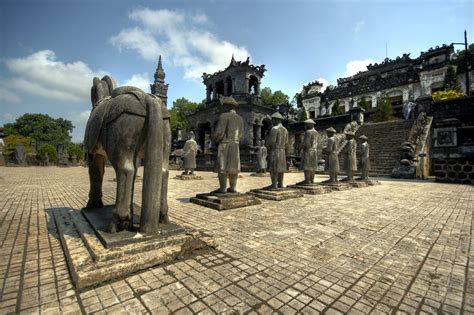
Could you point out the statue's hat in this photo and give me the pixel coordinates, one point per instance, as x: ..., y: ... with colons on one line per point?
x: 228, y: 100
x: 363, y: 137
x: 331, y: 129
x: 309, y: 121
x: 191, y: 133
x: 277, y: 115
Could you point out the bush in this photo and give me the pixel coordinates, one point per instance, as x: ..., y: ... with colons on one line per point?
x: 75, y: 150
x: 384, y: 110
x: 337, y: 109
x: 47, y: 148
x: 12, y: 140
x: 446, y: 95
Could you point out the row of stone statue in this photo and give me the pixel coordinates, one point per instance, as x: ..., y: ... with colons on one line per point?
x: 229, y: 132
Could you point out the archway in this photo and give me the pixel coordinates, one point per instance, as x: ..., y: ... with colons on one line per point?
x: 253, y: 85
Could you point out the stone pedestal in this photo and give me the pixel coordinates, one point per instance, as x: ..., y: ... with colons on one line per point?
x: 225, y: 201
x: 91, y: 263
x: 358, y: 184
x: 370, y: 182
x: 277, y: 194
x: 260, y: 174
x: 188, y: 177
x: 311, y: 189
x: 339, y: 186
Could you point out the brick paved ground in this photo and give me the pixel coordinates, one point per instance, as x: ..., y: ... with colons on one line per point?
x: 399, y: 246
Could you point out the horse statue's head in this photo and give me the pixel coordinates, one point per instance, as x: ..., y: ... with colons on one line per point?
x: 102, y: 88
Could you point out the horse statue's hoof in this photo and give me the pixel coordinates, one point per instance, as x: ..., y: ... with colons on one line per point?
x: 91, y: 204
x: 119, y: 224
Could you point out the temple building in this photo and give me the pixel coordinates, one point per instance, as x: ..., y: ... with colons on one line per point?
x: 159, y: 87
x: 241, y: 80
x: 398, y: 79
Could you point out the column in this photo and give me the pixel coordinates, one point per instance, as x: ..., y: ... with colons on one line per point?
x: 208, y: 93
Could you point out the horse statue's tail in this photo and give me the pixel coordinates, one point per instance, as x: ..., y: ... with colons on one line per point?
x: 153, y: 168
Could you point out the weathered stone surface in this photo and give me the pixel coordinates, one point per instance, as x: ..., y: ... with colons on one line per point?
x: 339, y: 186
x: 90, y: 263
x: 311, y: 189
x: 225, y: 201
x: 358, y: 184
x: 188, y: 177
x: 277, y: 194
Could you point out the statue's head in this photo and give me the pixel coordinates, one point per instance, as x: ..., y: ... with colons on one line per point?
x: 363, y: 138
x: 277, y: 118
x: 262, y: 142
x: 309, y: 124
x: 331, y: 131
x: 191, y: 135
x: 228, y: 102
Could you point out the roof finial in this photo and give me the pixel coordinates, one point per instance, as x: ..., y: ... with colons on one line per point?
x: 160, y: 66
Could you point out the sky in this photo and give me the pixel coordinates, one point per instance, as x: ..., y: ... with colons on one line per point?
x: 50, y: 50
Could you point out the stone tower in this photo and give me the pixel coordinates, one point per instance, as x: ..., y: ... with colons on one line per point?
x: 159, y: 88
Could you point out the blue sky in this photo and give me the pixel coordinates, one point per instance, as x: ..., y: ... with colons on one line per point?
x: 50, y: 50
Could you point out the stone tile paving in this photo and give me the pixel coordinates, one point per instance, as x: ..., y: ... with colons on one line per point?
x: 401, y: 246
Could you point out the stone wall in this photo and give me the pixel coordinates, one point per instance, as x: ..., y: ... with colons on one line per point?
x: 454, y: 170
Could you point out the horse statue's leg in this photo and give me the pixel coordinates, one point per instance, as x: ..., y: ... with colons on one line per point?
x: 96, y: 175
x: 122, y: 148
x: 164, y: 186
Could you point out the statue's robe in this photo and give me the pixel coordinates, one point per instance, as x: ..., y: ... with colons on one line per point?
x: 364, y: 159
x: 277, y: 144
x: 189, y: 155
x: 350, y: 161
x: 333, y: 159
x: 262, y: 157
x: 309, y: 146
x: 229, y: 132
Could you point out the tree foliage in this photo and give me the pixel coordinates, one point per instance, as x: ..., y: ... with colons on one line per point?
x: 181, y: 108
x: 451, y: 81
x: 303, y: 115
x: 12, y: 140
x: 364, y: 104
x: 273, y: 98
x: 384, y: 110
x: 337, y: 109
x: 461, y: 53
x: 41, y: 127
x: 76, y: 150
x: 50, y: 150
x: 446, y: 94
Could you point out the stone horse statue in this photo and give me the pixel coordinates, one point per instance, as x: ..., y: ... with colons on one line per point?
x: 127, y: 124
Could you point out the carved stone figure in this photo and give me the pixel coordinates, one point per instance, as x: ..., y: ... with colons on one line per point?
x: 46, y: 159
x: 20, y: 154
x: 350, y: 160
x: 332, y: 156
x: 126, y: 124
x: 309, y: 155
x: 364, y: 158
x: 228, y: 134
x: 262, y: 157
x: 277, y: 144
x: 189, y: 155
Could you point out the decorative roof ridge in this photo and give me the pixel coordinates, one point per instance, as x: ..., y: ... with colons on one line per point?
x: 233, y: 64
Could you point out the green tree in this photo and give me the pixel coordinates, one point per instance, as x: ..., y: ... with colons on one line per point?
x: 266, y: 95
x: 303, y: 115
x: 41, y: 127
x: 451, y: 81
x: 364, y: 104
x: 76, y: 150
x: 337, y: 109
x: 461, y: 53
x: 12, y: 140
x: 181, y: 108
x: 384, y: 110
x: 47, y: 148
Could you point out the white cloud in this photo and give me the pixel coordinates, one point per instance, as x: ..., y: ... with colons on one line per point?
x: 7, y: 95
x: 324, y: 82
x: 180, y: 38
x: 41, y: 74
x: 140, y: 81
x: 354, y: 66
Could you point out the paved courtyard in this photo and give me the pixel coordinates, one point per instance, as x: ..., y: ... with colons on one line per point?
x: 400, y: 246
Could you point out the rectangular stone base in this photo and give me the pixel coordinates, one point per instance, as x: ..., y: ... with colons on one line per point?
x: 188, y: 177
x: 100, y: 218
x: 358, y: 184
x: 225, y: 201
x: 337, y: 186
x: 276, y: 194
x: 90, y: 263
x: 311, y: 189
x: 371, y: 182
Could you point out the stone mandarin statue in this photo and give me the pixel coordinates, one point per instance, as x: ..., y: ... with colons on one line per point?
x: 125, y: 124
x: 332, y: 156
x: 364, y: 158
x: 189, y: 154
x: 228, y: 134
x: 309, y: 147
x: 350, y: 161
x: 277, y: 143
x: 262, y: 157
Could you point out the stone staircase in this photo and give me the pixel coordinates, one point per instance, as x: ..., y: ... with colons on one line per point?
x: 385, y: 139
